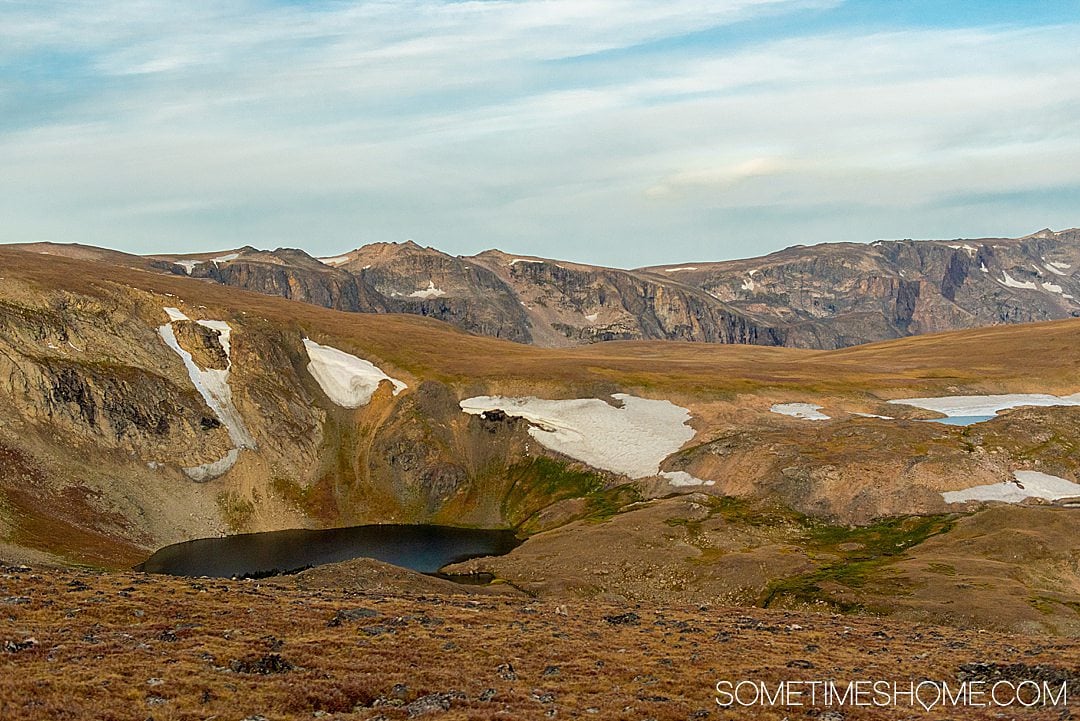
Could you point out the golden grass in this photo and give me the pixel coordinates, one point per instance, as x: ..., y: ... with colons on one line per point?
x: 127, y: 646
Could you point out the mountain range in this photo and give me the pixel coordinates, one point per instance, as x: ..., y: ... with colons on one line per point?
x: 825, y: 296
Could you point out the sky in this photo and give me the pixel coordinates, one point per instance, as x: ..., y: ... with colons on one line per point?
x: 618, y: 132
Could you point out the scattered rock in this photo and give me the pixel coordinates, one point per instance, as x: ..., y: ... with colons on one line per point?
x: 268, y: 664
x: 351, y: 614
x: 623, y: 619
x: 433, y: 702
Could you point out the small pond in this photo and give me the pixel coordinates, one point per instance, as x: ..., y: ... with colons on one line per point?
x: 960, y: 420
x: 422, y: 548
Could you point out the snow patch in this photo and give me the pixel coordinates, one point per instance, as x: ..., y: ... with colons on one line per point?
x: 682, y: 478
x: 345, y: 379
x: 1052, y: 288
x: 631, y: 440
x: 806, y: 411
x: 430, y: 292
x: 212, y: 384
x: 676, y: 270
x: 187, y: 265
x: 1026, y: 484
x: 210, y: 471
x: 176, y: 314
x: 971, y: 249
x: 987, y: 405
x: 983, y: 268
x: 515, y: 261
x: 591, y: 317
x: 336, y: 260
x: 226, y: 258
x: 1013, y: 283
x: 872, y: 415
x: 749, y: 284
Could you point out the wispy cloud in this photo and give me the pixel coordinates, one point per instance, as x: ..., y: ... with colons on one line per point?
x: 610, y: 130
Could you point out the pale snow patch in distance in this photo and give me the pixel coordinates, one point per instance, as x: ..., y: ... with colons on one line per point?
x: 515, y: 261
x: 336, y: 260
x: 430, y: 292
x: 983, y: 268
x: 987, y: 405
x: 749, y: 284
x: 226, y: 258
x: 806, y: 411
x: 872, y: 415
x: 210, y: 471
x: 345, y: 379
x: 676, y: 270
x: 1027, y: 484
x: 591, y: 317
x: 682, y: 478
x: 971, y: 250
x: 1052, y: 288
x: 631, y: 440
x: 187, y: 265
x: 1013, y: 283
x: 176, y: 314
x: 213, y: 386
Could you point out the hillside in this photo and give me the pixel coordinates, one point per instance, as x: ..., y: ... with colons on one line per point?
x: 145, y: 408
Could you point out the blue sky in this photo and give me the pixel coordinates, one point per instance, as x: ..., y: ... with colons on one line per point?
x: 609, y: 131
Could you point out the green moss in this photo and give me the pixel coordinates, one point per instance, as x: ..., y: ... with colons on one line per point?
x: 236, y: 510
x: 539, y: 482
x: 864, y: 552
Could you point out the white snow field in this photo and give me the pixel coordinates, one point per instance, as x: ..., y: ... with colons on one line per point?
x: 631, y: 440
x: 989, y: 405
x: 345, y: 379
x: 1014, y: 283
x: 806, y: 411
x: 336, y: 260
x: 682, y: 478
x: 1027, y: 484
x: 213, y: 386
x: 427, y: 293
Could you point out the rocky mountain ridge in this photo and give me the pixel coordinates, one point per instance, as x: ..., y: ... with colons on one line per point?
x: 826, y: 296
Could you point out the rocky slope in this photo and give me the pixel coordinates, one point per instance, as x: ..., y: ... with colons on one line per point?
x: 825, y: 296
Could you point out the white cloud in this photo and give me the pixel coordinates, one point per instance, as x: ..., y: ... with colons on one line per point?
x: 474, y: 124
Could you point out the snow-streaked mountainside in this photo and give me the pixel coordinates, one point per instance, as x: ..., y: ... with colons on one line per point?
x: 142, y: 406
x: 826, y: 296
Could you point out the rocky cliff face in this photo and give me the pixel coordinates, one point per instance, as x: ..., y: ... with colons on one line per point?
x: 826, y: 296
x: 837, y: 295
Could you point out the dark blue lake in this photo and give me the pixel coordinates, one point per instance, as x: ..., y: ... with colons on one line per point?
x: 421, y: 548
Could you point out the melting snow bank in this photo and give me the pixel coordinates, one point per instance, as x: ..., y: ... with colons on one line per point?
x: 806, y: 411
x: 1027, y: 484
x: 631, y: 440
x: 345, y: 379
x: 210, y: 471
x: 682, y: 478
x: 970, y: 406
x: 213, y: 386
